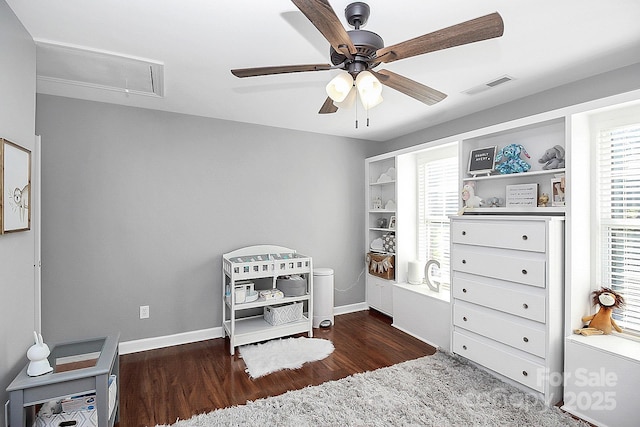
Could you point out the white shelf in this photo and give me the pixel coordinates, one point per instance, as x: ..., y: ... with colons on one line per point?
x: 382, y: 211
x: 264, y: 303
x: 552, y: 210
x: 383, y: 229
x: 516, y: 175
x: 383, y: 183
x: 255, y: 329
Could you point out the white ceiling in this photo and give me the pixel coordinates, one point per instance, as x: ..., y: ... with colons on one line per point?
x: 546, y: 43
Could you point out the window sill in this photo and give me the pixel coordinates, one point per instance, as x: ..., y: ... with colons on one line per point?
x: 612, y: 344
x: 443, y: 296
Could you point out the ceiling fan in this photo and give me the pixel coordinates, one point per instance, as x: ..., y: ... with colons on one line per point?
x: 359, y: 51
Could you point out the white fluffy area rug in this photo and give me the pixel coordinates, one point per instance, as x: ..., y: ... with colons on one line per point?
x: 289, y: 353
x: 437, y: 390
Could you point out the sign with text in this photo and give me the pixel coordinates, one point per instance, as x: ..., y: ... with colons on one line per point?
x: 522, y: 196
x: 482, y: 160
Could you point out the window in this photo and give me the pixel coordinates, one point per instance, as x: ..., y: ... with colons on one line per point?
x: 618, y: 217
x: 438, y: 197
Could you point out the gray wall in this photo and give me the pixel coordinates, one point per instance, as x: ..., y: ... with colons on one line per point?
x: 17, y: 124
x: 618, y: 81
x: 139, y: 206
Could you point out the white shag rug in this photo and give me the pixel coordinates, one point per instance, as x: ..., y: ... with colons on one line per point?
x: 437, y: 390
x: 290, y: 353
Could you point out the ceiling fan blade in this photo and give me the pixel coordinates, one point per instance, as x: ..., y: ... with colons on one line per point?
x: 281, y: 69
x: 409, y: 87
x: 483, y: 28
x: 323, y: 17
x: 328, y: 107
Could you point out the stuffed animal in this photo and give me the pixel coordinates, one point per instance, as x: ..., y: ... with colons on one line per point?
x: 553, y: 158
x: 602, y: 322
x: 543, y: 200
x: 470, y: 198
x: 512, y: 163
x: 494, y: 202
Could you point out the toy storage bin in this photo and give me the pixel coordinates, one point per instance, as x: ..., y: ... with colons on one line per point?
x: 381, y: 265
x: 292, y: 286
x: 285, y: 313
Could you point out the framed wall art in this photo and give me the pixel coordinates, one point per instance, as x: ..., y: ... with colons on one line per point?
x: 557, y: 191
x: 15, y: 187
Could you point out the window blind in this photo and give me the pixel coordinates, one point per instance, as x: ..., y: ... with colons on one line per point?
x: 618, y: 211
x: 438, y: 198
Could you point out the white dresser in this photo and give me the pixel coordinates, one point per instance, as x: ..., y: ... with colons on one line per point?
x: 507, y: 290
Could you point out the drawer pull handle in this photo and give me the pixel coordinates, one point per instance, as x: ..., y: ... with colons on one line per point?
x: 524, y: 271
x: 525, y: 373
x: 525, y: 306
x: 464, y: 290
x: 464, y: 261
x: 464, y: 318
x: 464, y: 233
x: 525, y: 339
x: 464, y: 347
x: 524, y: 237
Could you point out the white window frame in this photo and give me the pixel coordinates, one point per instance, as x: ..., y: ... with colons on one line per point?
x: 604, y: 276
x: 444, y: 153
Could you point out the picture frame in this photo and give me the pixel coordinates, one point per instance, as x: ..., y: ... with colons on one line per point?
x: 392, y: 223
x: 15, y: 187
x: 522, y: 196
x: 558, y: 185
x: 482, y: 161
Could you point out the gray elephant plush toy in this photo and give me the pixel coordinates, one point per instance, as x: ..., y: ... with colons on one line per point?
x: 553, y: 158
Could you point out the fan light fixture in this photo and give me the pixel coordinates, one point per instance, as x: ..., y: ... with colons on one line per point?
x: 341, y: 89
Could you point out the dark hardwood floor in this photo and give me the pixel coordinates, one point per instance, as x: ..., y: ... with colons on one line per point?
x: 160, y: 386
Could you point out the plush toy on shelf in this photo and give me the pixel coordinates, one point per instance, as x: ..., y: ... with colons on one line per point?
x: 469, y: 197
x: 553, y: 158
x: 511, y: 161
x: 602, y: 323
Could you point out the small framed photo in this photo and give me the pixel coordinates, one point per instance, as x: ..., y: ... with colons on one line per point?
x: 15, y: 187
x: 557, y: 191
x: 482, y: 161
x: 522, y: 196
x: 392, y: 223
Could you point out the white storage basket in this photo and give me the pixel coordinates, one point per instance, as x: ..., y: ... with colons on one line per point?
x: 280, y: 314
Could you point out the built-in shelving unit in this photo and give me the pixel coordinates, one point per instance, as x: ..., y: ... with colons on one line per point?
x: 381, y: 226
x: 536, y: 138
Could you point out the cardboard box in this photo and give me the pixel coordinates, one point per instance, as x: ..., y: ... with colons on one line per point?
x: 75, y: 419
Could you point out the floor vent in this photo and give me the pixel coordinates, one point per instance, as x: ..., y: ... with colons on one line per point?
x: 79, y: 66
x: 489, y: 85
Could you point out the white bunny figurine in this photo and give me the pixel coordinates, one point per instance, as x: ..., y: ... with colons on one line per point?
x: 38, y: 354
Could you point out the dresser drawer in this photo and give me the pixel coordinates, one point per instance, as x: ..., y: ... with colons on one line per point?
x: 494, y: 357
x: 530, y: 305
x: 500, y: 264
x: 520, y: 235
x: 512, y: 331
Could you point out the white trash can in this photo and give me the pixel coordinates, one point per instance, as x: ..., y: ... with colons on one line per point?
x: 322, y: 297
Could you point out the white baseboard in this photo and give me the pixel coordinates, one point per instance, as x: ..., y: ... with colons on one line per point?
x: 144, y: 344
x: 351, y: 308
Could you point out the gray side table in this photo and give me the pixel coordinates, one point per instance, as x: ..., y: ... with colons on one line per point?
x: 26, y: 391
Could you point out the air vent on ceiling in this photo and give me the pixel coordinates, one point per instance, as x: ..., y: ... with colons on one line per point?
x: 489, y: 85
x: 97, y: 69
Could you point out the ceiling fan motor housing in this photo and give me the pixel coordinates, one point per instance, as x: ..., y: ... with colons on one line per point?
x: 366, y: 43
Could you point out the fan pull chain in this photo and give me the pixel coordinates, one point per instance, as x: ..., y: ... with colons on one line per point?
x: 356, y: 109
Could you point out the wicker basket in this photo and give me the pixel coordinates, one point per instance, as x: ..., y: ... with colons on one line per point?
x: 381, y: 265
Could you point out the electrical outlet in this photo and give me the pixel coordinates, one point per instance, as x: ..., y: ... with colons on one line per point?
x: 144, y: 311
